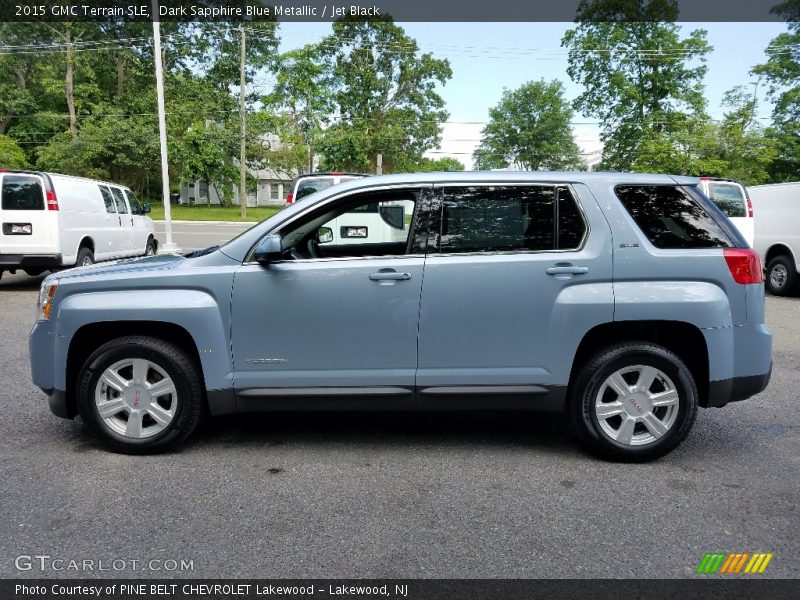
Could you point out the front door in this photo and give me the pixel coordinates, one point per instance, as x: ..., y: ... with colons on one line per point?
x: 519, y: 274
x: 335, y: 322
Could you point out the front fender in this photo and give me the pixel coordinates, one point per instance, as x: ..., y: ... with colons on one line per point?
x: 195, y: 311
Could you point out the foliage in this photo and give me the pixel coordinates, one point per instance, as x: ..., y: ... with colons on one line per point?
x: 640, y: 78
x: 11, y: 155
x: 445, y: 163
x: 384, y: 97
x: 530, y: 128
x: 782, y: 74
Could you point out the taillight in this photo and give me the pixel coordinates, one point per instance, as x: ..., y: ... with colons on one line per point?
x: 745, y: 265
x: 52, y: 201
x: 289, y: 198
x: 749, y: 207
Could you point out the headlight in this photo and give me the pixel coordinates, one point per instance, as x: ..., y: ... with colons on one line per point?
x: 46, y: 294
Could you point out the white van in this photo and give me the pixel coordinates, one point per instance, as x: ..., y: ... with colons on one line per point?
x: 732, y: 199
x: 52, y: 221
x: 777, y: 238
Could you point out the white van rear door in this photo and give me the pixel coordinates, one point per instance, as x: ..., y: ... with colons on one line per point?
x: 731, y: 199
x: 26, y: 224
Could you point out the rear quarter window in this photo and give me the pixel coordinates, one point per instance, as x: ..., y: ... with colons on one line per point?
x: 22, y: 192
x: 670, y: 218
x: 308, y: 186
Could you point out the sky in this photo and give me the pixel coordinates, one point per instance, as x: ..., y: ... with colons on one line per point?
x: 489, y: 57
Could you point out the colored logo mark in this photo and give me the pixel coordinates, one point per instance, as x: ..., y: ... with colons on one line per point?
x: 734, y: 563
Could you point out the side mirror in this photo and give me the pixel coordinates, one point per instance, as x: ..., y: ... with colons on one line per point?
x: 325, y: 235
x: 269, y: 249
x: 145, y: 208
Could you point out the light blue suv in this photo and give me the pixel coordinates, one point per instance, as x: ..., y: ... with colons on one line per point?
x: 624, y: 300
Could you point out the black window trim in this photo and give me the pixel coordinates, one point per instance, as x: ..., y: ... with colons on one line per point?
x: 422, y: 218
x: 435, y: 246
x: 696, y: 195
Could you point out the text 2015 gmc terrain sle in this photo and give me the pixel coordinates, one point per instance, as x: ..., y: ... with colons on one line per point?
x: 624, y: 300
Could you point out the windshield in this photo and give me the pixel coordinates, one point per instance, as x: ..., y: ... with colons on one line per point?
x: 729, y: 197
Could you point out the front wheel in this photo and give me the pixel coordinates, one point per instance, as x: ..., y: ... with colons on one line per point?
x: 633, y: 402
x: 150, y: 249
x: 140, y: 395
x: 781, y: 276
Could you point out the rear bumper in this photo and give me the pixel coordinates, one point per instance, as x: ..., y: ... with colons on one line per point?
x: 29, y: 261
x: 735, y: 389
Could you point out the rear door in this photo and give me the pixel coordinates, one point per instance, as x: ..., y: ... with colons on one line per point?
x: 26, y: 225
x: 519, y: 273
x: 732, y: 200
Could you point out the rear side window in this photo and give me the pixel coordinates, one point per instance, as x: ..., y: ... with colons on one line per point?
x: 308, y: 186
x: 22, y: 192
x: 510, y: 218
x: 670, y: 218
x: 108, y: 199
x: 729, y: 197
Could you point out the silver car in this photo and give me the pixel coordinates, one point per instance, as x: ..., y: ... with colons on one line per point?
x: 625, y: 301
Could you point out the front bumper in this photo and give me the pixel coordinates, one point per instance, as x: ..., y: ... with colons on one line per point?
x: 29, y: 261
x: 735, y: 389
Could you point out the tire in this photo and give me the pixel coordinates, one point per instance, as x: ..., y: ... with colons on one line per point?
x: 160, y: 422
x: 781, y: 279
x: 150, y: 249
x: 85, y: 257
x: 598, y: 412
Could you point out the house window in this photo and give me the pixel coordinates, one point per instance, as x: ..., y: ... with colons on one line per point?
x: 275, y: 189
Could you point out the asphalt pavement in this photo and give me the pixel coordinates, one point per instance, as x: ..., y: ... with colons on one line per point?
x: 193, y: 235
x: 384, y: 495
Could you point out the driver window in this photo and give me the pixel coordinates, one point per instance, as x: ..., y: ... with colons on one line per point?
x: 370, y: 225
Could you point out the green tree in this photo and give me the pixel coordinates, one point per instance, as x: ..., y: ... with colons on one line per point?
x: 11, y: 155
x: 385, y: 97
x: 530, y: 128
x: 445, y: 163
x: 782, y: 74
x: 303, y: 97
x: 641, y: 79
x: 205, y: 152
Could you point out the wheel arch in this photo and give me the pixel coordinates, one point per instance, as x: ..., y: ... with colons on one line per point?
x: 90, y: 337
x: 684, y: 339
x: 779, y: 249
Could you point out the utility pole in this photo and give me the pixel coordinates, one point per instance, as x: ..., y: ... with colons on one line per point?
x: 242, y: 147
x: 379, y: 164
x: 169, y: 246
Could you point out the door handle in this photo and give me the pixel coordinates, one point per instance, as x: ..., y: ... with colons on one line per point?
x: 389, y: 276
x: 567, y: 270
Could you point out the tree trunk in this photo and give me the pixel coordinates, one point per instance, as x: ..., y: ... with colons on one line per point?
x: 120, y: 76
x: 69, y: 84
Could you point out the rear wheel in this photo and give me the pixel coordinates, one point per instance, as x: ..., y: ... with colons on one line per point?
x: 140, y: 395
x: 633, y: 402
x: 781, y: 276
x: 85, y: 257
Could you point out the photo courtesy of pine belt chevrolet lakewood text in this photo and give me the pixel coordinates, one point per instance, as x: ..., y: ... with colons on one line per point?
x: 625, y: 301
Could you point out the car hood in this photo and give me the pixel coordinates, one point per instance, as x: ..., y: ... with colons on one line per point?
x: 142, y: 263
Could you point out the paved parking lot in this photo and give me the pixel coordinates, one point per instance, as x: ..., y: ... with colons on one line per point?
x: 384, y: 495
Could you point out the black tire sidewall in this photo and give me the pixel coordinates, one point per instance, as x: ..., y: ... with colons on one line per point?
x: 605, y: 364
x: 167, y: 357
x: 791, y: 276
x: 83, y: 252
